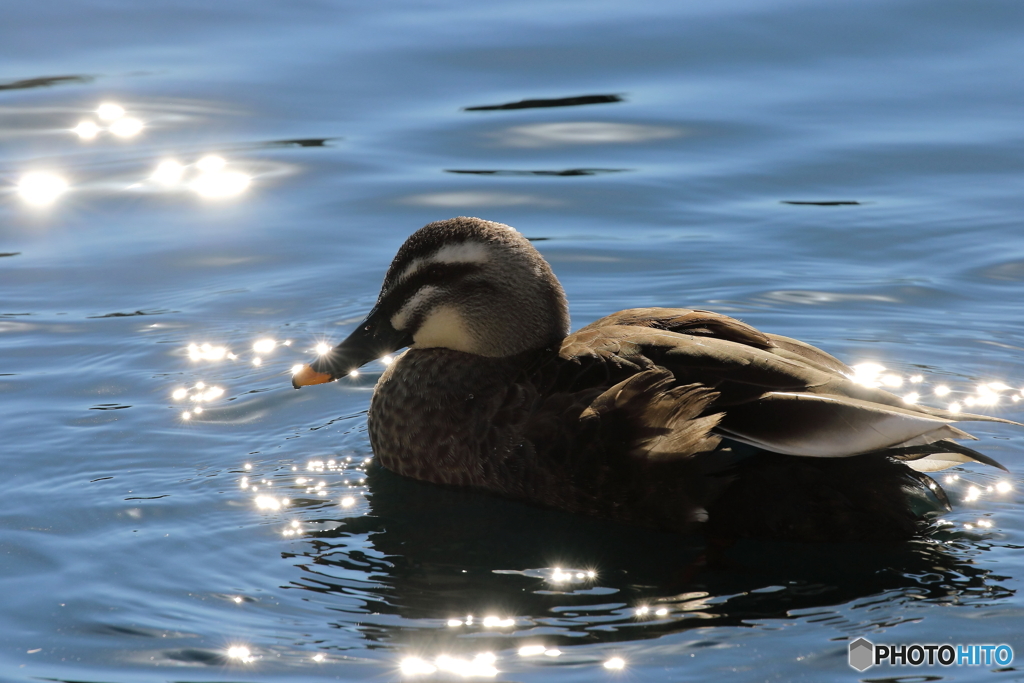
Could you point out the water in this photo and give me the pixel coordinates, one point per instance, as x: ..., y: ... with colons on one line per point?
x: 134, y: 547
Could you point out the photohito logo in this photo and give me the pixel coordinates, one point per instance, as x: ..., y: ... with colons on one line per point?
x: 864, y: 653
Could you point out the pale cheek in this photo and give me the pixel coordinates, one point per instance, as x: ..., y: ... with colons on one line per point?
x: 445, y: 328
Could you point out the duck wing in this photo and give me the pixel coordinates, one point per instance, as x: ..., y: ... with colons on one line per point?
x: 771, y: 392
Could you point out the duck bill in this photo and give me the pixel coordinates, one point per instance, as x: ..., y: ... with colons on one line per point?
x: 372, y: 338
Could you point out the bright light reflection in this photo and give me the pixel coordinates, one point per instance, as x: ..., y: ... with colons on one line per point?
x: 220, y: 184
x: 41, y: 188
x: 453, y: 623
x: 268, y: 503
x: 615, y: 663
x: 984, y: 523
x: 892, y: 381
x: 108, y: 111
x: 240, y: 652
x: 866, y: 374
x: 186, y: 415
x: 126, y: 127
x: 498, y: 622
x: 973, y: 493
x: 354, y: 373
x: 296, y: 368
x: 179, y: 394
x: 237, y: 599
x: 168, y: 172
x: 318, y: 657
x: 414, y: 666
x: 661, y: 612
x: 912, y: 398
x: 257, y: 361
x: 86, y: 130
x: 386, y: 360
x: 211, y: 164
x: 322, y: 348
x: 1003, y: 487
x: 481, y: 665
x: 941, y: 390
x: 264, y: 346
x: 531, y: 650
x: 915, y: 379
x: 954, y: 407
x: 197, y: 410
x: 206, y: 352
x: 348, y: 502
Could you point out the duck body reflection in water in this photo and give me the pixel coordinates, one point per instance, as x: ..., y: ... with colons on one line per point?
x: 673, y: 419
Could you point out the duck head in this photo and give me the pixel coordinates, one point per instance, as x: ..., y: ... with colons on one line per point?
x: 464, y: 284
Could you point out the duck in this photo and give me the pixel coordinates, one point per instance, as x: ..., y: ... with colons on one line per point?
x: 679, y: 420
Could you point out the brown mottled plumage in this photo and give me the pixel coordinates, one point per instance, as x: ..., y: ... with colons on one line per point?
x: 668, y: 418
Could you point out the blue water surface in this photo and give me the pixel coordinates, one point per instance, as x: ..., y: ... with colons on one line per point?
x: 848, y: 173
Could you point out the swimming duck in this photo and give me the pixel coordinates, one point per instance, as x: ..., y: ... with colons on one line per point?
x: 675, y: 419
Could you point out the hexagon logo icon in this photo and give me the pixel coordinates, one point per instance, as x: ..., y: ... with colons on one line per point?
x: 862, y: 654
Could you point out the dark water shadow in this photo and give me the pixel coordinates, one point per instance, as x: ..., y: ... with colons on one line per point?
x: 841, y: 202
x: 45, y: 82
x: 566, y: 172
x: 425, y: 554
x: 121, y: 314
x: 576, y: 101
x: 301, y: 142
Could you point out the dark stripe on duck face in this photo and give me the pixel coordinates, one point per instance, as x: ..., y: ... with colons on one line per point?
x: 440, y: 275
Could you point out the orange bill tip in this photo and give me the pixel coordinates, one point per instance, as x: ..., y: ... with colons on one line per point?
x: 304, y: 375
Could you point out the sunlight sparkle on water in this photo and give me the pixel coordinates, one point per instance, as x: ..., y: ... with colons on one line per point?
x: 257, y: 361
x: 322, y: 348
x: 531, y: 650
x: 615, y: 663
x: 211, y: 164
x: 264, y: 346
x: 126, y: 127
x: 1004, y: 487
x: 241, y: 653
x: 414, y: 666
x: 179, y: 394
x: 348, y: 501
x: 168, y: 172
x: 296, y: 368
x: 269, y: 503
x: 941, y: 390
x: 973, y: 493
x: 221, y: 184
x: 108, y: 111
x: 86, y: 130
x: 866, y: 374
x: 40, y: 188
x: 206, y: 352
x: 498, y: 622
x: 354, y: 373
